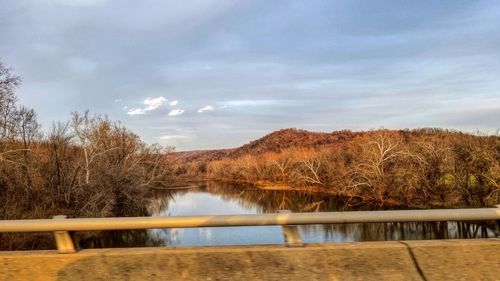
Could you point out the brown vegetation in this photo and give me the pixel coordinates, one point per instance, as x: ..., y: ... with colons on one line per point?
x: 419, y: 168
x: 91, y: 166
x: 87, y: 167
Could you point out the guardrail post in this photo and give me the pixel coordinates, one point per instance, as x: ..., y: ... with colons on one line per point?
x: 291, y: 233
x: 497, y: 225
x: 63, y: 240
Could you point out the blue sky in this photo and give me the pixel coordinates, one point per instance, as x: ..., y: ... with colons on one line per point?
x: 218, y: 73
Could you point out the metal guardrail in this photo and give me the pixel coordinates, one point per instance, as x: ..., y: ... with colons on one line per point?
x: 61, y: 226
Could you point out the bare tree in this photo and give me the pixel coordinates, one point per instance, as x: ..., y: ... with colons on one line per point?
x: 283, y: 163
x: 8, y: 83
x: 87, y: 131
x: 28, y: 130
x: 311, y: 164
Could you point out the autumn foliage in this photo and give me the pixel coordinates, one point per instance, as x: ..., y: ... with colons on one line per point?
x: 86, y: 167
x: 423, y: 167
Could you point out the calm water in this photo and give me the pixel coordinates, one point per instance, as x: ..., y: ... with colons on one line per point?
x: 220, y: 199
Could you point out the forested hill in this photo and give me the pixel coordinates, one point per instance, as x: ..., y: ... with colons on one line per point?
x: 288, y: 138
x: 280, y: 140
x: 421, y: 167
x: 276, y: 141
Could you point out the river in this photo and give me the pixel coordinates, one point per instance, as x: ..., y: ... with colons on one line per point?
x: 214, y: 198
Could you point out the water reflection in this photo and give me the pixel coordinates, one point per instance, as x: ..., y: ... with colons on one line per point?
x: 215, y: 198
x: 201, y: 202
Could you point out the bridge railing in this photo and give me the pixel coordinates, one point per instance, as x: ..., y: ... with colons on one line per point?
x: 61, y: 226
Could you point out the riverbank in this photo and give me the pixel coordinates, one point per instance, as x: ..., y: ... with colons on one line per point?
x: 351, y: 200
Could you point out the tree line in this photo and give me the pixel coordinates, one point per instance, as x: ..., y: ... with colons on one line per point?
x: 420, y: 168
x: 87, y: 166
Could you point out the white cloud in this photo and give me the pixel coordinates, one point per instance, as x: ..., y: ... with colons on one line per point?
x: 136, y: 111
x: 150, y: 104
x: 176, y: 112
x: 207, y: 108
x: 173, y: 137
x: 174, y: 102
x: 234, y: 103
x: 153, y: 103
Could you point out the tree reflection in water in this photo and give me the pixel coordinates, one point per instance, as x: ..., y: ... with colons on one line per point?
x: 270, y: 201
x: 252, y: 200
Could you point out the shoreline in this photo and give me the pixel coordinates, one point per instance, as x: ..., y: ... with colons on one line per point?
x: 357, y: 201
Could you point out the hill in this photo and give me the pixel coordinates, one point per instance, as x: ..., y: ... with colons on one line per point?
x: 276, y: 141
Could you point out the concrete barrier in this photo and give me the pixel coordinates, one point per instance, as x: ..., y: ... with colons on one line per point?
x: 407, y: 260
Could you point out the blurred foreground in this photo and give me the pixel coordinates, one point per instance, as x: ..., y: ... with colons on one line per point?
x: 409, y: 260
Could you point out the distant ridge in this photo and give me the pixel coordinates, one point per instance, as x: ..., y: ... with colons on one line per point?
x: 288, y: 138
x: 273, y: 142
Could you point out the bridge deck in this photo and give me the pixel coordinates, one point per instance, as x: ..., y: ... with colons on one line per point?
x: 408, y: 260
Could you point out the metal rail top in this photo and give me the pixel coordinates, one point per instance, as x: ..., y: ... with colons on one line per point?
x: 60, y: 223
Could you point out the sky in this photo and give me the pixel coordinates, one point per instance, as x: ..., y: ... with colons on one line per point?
x: 204, y: 74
